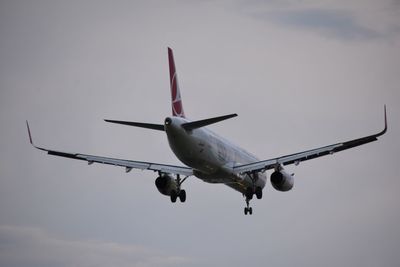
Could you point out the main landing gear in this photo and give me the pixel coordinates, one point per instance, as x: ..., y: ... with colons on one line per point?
x: 179, y: 193
x: 250, y: 192
x: 247, y: 209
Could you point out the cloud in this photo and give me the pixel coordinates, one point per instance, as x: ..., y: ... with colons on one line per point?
x: 23, y: 246
x: 347, y: 21
x: 337, y: 23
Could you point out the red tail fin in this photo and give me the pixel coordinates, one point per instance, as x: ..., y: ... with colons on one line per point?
x: 177, y: 106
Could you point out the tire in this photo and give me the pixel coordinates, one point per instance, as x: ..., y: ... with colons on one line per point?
x: 250, y: 210
x: 174, y: 196
x: 182, y: 196
x: 259, y: 193
x: 245, y: 211
x: 249, y: 193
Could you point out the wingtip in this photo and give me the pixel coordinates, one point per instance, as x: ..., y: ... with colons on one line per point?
x: 112, y: 121
x: 384, y: 129
x: 385, y: 118
x: 233, y: 115
x: 29, y: 133
x: 384, y: 109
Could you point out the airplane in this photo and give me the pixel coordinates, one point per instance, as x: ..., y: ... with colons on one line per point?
x: 210, y: 157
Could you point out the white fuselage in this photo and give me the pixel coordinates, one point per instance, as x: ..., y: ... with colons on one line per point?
x: 211, y: 156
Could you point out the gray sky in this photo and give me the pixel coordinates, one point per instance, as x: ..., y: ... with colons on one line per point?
x: 300, y: 74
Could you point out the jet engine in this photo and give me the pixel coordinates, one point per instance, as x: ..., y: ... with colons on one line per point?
x: 166, y: 184
x: 282, y: 181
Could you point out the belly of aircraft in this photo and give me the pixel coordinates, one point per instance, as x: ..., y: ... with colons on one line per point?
x: 237, y: 182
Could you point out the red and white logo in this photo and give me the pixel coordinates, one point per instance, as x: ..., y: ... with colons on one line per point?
x: 177, y: 108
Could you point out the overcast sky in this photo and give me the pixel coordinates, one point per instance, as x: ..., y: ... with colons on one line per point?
x: 300, y: 74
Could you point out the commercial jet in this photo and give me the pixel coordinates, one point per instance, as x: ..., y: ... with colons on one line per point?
x: 210, y: 157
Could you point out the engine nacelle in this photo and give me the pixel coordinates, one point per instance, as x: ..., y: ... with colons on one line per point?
x: 282, y: 181
x: 166, y: 184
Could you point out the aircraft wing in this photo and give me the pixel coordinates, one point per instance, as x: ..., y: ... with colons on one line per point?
x: 128, y: 164
x: 296, y: 158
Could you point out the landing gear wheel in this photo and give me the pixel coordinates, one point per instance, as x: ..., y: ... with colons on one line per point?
x: 248, y: 209
x: 182, y: 196
x: 174, y: 196
x: 249, y: 193
x: 259, y: 192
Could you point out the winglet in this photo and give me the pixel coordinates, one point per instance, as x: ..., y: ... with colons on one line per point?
x: 31, y: 140
x: 29, y: 133
x: 384, y: 129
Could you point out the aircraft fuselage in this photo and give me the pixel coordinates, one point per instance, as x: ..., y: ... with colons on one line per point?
x: 211, y: 156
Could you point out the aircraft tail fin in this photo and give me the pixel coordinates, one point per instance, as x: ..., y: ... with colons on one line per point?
x: 177, y: 106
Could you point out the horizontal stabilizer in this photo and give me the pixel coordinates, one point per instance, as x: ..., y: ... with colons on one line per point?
x: 158, y: 127
x: 198, y: 124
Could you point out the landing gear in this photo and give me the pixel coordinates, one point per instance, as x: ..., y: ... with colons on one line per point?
x: 174, y: 196
x: 258, y: 192
x: 180, y: 193
x: 249, y: 193
x: 253, y: 190
x: 248, y: 209
x: 182, y: 196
